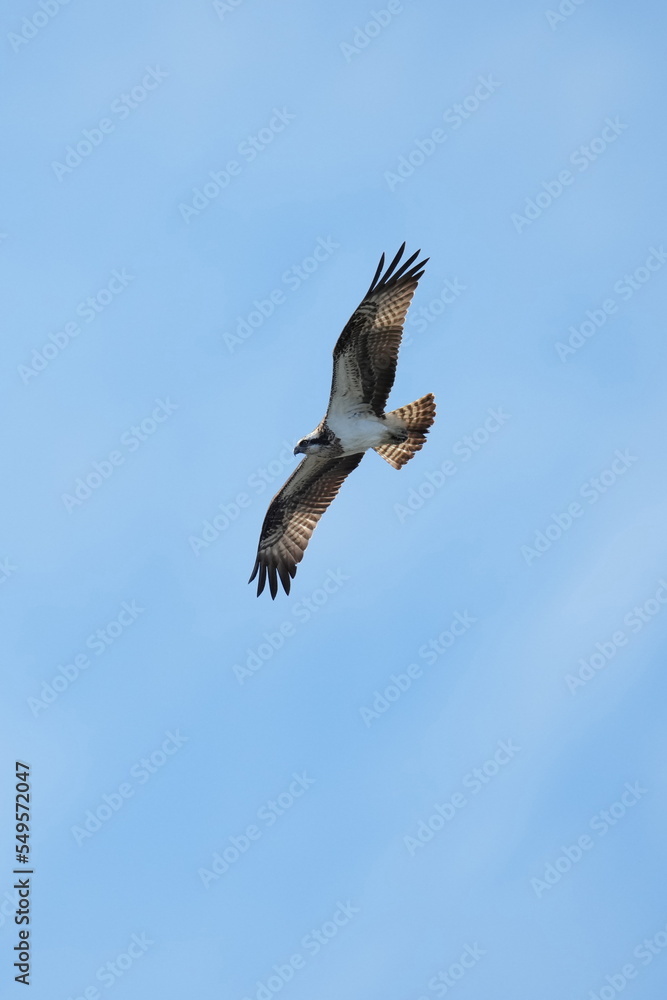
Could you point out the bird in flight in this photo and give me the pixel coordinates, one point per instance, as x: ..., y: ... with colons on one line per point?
x: 364, y: 367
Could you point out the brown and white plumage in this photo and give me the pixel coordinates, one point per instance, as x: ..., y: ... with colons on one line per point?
x: 293, y: 514
x: 364, y: 368
x: 366, y: 353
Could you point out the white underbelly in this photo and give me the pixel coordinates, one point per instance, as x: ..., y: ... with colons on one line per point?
x: 358, y: 433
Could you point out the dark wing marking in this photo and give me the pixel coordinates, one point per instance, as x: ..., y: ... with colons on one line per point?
x: 366, y: 354
x: 292, y: 516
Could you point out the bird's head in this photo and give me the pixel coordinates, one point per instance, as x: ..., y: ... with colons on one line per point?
x: 311, y: 444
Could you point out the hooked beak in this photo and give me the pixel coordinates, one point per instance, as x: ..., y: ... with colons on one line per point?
x: 299, y: 451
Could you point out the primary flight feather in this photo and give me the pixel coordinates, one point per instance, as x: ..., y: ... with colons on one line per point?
x: 364, y: 367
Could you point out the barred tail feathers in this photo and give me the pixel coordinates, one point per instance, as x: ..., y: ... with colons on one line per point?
x: 416, y: 417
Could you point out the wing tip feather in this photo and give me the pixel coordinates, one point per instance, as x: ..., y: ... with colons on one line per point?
x: 271, y: 563
x: 408, y: 271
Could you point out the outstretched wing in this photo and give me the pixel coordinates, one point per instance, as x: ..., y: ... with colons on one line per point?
x: 293, y: 514
x: 367, y: 350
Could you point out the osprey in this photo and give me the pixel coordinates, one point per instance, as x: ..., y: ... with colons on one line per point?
x: 364, y: 366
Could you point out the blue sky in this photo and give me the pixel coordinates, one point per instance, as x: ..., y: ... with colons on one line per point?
x: 435, y: 768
